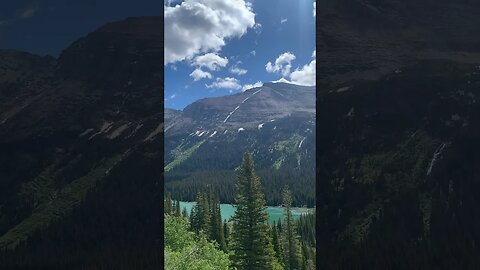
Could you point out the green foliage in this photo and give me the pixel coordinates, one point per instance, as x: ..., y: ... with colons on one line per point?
x: 206, y: 217
x: 186, y: 251
x: 180, y: 155
x: 306, y: 230
x: 251, y: 247
x: 252, y: 243
x: 277, y: 246
x: 290, y: 240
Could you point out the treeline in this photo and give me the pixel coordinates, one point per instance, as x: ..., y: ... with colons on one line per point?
x: 185, y: 187
x: 248, y: 241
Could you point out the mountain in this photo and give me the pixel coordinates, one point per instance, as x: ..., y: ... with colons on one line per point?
x: 398, y: 135
x: 81, y: 139
x: 204, y: 143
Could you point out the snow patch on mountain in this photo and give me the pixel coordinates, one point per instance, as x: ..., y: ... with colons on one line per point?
x: 236, y: 108
x: 300, y: 145
x: 436, y: 156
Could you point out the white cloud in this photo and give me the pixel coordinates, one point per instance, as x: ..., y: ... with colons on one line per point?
x: 253, y: 52
x: 258, y: 28
x: 238, y: 71
x: 282, y: 21
x: 282, y: 80
x: 301, y: 76
x: 173, y: 96
x: 314, y: 9
x: 250, y: 86
x: 199, y: 74
x: 201, y: 26
x: 226, y: 83
x: 306, y: 74
x: 282, y: 64
x: 210, y: 60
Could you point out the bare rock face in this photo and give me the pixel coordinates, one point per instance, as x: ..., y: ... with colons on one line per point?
x: 271, y: 101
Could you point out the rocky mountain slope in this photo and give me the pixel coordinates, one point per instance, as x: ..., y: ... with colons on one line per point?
x: 81, y: 137
x: 205, y: 142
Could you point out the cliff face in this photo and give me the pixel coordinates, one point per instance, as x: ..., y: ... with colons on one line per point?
x: 81, y: 135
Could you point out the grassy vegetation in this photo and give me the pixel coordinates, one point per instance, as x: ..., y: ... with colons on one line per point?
x: 288, y: 146
x: 182, y: 155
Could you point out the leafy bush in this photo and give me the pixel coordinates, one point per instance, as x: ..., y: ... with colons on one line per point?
x: 186, y: 251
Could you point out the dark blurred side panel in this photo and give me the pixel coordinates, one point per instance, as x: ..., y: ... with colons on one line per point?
x: 398, y: 134
x: 81, y: 159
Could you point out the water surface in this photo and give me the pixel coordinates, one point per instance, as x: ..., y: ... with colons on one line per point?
x: 274, y: 212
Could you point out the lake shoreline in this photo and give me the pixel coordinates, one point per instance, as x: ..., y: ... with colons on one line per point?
x: 274, y: 212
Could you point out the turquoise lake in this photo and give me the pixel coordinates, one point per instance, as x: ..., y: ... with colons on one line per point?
x: 274, y: 213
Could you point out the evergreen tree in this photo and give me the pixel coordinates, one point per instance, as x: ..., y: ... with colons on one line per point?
x: 277, y: 247
x: 177, y: 209
x: 290, y: 240
x: 196, y: 215
x: 185, y: 213
x: 226, y: 232
x: 204, y: 213
x: 168, y: 205
x: 251, y: 246
x: 216, y: 228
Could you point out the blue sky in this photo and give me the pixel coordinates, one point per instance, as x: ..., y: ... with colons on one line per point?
x: 221, y: 47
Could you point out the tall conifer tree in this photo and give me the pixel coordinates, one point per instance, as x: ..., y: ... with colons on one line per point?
x: 292, y: 252
x: 226, y: 232
x: 251, y: 246
x: 277, y: 247
x: 177, y: 209
x: 185, y: 213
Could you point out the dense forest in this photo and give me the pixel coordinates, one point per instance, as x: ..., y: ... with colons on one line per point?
x: 202, y: 240
x: 185, y: 187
